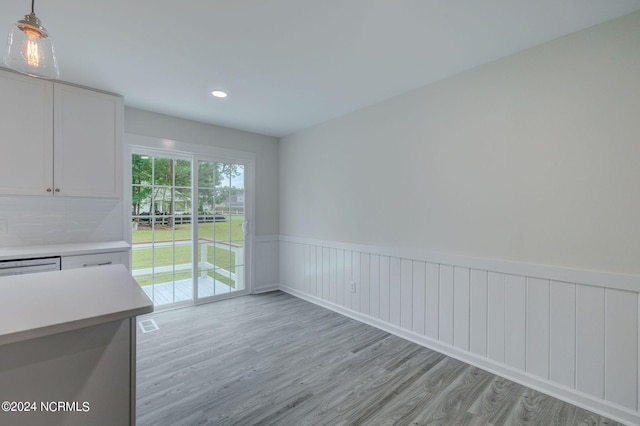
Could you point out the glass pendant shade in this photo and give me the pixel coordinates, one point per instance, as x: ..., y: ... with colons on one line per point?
x: 30, y: 51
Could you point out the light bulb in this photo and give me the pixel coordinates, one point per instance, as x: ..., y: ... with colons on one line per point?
x: 31, y: 49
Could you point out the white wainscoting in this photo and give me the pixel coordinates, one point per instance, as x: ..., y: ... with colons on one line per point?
x: 266, y: 264
x: 569, y: 333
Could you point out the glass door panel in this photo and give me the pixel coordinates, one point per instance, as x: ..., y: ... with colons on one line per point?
x: 221, y: 227
x: 161, y: 229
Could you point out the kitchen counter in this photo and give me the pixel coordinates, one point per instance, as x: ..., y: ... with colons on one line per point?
x: 42, y: 304
x: 73, y: 249
x: 68, y: 345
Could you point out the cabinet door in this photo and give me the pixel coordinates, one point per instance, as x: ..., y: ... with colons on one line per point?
x: 26, y: 137
x: 87, y: 143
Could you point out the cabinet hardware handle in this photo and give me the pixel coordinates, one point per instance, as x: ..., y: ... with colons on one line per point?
x: 97, y: 264
x: 57, y: 189
x: 48, y: 189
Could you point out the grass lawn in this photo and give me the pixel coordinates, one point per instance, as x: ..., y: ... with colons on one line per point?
x: 231, y: 230
x: 145, y: 257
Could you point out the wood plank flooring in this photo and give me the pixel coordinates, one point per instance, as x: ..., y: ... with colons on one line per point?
x: 274, y: 359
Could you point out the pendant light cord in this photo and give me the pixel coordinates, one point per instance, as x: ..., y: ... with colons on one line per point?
x: 33, y: 3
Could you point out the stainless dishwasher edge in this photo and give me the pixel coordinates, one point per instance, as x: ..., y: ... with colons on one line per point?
x: 29, y: 266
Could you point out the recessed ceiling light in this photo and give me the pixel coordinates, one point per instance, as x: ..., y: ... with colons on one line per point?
x: 219, y: 94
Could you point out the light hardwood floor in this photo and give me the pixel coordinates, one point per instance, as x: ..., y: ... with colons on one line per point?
x: 274, y: 359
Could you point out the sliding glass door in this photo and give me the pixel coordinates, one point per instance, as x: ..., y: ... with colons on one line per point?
x: 189, y: 227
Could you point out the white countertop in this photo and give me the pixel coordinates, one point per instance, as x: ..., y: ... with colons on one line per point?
x: 45, y: 303
x: 8, y: 253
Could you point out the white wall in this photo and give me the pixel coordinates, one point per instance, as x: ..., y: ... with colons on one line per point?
x: 471, y: 216
x: 147, y: 123
x: 533, y: 158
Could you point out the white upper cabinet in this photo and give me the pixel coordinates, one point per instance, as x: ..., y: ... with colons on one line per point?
x: 26, y: 135
x: 87, y: 142
x: 58, y: 139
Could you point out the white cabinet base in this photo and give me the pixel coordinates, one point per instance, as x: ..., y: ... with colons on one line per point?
x: 83, y: 377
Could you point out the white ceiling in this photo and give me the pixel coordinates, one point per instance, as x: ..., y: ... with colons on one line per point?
x: 289, y: 64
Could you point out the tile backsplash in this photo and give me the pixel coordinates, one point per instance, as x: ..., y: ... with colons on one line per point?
x: 53, y: 220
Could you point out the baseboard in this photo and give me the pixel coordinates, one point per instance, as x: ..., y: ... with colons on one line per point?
x: 612, y: 411
x: 265, y: 289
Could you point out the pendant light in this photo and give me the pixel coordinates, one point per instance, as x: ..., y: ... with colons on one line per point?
x: 29, y: 48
